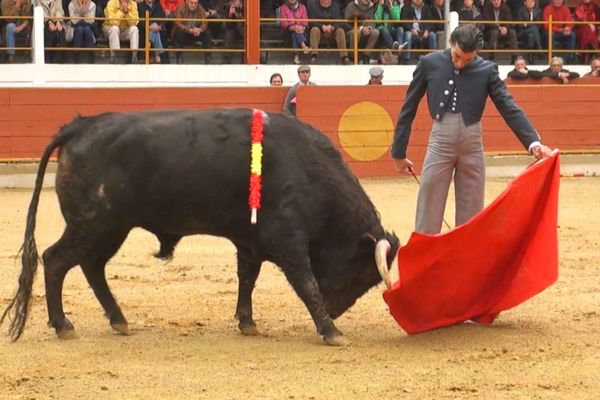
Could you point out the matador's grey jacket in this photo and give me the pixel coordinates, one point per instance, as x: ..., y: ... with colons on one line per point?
x: 436, y: 75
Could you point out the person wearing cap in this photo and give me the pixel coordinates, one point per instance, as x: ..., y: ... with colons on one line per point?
x: 376, y: 76
x: 289, y: 105
x: 457, y: 82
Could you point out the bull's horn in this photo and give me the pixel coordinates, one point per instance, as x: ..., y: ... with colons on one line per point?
x: 382, y: 248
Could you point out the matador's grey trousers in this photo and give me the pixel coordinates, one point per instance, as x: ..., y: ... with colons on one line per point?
x: 454, y: 149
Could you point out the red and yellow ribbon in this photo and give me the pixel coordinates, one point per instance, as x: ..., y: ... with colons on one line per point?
x: 256, y: 163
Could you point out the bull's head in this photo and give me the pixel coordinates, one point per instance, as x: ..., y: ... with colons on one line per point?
x: 344, y: 278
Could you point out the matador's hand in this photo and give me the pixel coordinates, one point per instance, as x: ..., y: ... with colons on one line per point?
x: 541, y: 152
x: 403, y: 165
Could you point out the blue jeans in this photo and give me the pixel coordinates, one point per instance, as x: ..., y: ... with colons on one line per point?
x: 11, y: 37
x: 531, y: 37
x: 83, y: 36
x: 391, y: 34
x: 295, y: 38
x: 156, y: 41
x: 418, y: 42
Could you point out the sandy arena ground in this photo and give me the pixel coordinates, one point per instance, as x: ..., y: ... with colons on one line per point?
x: 185, y: 342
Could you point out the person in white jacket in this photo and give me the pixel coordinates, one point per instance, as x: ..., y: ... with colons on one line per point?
x: 54, y: 30
x: 80, y: 27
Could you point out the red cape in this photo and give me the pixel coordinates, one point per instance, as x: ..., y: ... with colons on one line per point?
x: 503, y: 256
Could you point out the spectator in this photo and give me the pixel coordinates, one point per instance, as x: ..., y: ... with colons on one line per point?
x: 121, y: 24
x: 189, y: 31
x: 326, y: 31
x: 213, y: 11
x: 392, y: 33
x: 157, y: 29
x: 470, y: 13
x: 80, y: 28
x: 368, y: 35
x: 276, y: 79
x: 557, y: 72
x: 15, y: 27
x: 376, y: 74
x: 54, y: 30
x: 594, y: 68
x: 417, y: 34
x: 169, y: 7
x: 496, y: 10
x: 293, y: 24
x: 587, y: 35
x: 529, y: 33
x: 289, y: 105
x: 437, y: 14
x: 234, y: 9
x: 521, y: 72
x: 562, y: 28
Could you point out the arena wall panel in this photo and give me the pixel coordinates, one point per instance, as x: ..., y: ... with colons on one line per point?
x: 359, y: 120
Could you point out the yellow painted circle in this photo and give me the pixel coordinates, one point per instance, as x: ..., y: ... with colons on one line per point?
x: 365, y: 131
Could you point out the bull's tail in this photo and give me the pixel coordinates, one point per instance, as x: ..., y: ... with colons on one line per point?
x: 18, y: 309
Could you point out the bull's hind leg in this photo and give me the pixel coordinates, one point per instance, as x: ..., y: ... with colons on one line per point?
x: 94, y: 265
x: 248, y: 270
x: 58, y: 260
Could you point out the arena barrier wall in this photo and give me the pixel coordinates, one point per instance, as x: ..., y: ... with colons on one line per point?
x: 358, y: 119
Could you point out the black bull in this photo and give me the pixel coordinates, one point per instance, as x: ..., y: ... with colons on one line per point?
x: 179, y: 173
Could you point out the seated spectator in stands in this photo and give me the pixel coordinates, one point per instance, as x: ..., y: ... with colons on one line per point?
x: 321, y: 31
x: 417, y: 34
x: 169, y: 7
x: 469, y: 12
x: 527, y: 32
x: 80, y: 28
x: 556, y: 71
x: 389, y: 58
x: 502, y: 32
x: 234, y: 9
x: 521, y: 72
x: 594, y: 68
x: 562, y: 29
x: 437, y: 13
x: 276, y: 79
x: 376, y: 76
x: 390, y: 29
x: 289, y: 105
x: 293, y: 23
x: 368, y: 35
x: 54, y: 29
x: 213, y: 10
x: 14, y: 26
x: 587, y: 34
x: 157, y: 29
x: 188, y: 32
x: 121, y: 24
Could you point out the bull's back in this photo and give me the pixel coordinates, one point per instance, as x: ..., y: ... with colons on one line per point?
x: 184, y: 171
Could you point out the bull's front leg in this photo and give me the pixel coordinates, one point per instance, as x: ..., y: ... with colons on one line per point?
x: 302, y: 279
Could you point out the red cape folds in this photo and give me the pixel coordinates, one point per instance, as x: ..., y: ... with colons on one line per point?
x: 503, y: 256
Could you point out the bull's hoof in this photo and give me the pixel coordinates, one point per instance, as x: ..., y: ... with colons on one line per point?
x: 121, y: 327
x: 165, y: 256
x: 64, y: 329
x: 336, y: 340
x: 249, y: 330
x: 66, y: 334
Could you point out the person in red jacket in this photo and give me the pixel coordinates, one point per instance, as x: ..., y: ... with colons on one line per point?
x: 562, y: 27
x: 587, y: 34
